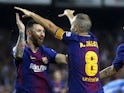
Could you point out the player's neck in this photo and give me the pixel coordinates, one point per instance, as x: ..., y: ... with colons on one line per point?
x: 83, y: 34
x: 32, y: 46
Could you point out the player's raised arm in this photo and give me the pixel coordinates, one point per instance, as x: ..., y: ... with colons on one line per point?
x: 44, y: 22
x: 107, y: 72
x: 69, y: 14
x: 19, y: 48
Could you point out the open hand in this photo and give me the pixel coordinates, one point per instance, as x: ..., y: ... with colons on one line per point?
x: 26, y: 12
x: 67, y: 12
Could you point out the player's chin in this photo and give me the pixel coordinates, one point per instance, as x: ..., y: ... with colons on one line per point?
x: 40, y: 42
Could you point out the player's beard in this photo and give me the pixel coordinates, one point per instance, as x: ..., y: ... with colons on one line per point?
x: 37, y: 41
x: 40, y: 41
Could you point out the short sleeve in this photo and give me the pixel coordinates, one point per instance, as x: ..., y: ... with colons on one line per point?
x: 66, y: 36
x: 69, y: 37
x: 50, y: 53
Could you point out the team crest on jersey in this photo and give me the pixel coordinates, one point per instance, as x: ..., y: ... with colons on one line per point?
x: 68, y: 34
x: 45, y: 60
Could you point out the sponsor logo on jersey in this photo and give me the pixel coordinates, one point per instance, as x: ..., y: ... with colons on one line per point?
x: 38, y: 68
x: 90, y: 79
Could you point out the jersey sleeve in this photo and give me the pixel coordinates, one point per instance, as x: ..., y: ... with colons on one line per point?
x: 66, y: 36
x: 50, y: 53
x: 119, y: 60
x: 93, y: 36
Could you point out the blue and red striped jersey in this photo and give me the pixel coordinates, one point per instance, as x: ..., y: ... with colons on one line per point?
x: 32, y: 71
x: 118, y: 62
x: 83, y: 62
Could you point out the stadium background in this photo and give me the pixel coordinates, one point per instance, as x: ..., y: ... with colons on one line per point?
x: 107, y: 17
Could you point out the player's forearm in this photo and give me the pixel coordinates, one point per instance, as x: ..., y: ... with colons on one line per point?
x: 70, y: 17
x: 50, y: 26
x: 107, y: 72
x: 61, y: 58
x: 19, y: 48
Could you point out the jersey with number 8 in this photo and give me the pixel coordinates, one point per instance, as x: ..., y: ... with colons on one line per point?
x: 83, y: 62
x: 91, y: 66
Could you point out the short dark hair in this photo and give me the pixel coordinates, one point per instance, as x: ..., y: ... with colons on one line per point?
x: 30, y: 24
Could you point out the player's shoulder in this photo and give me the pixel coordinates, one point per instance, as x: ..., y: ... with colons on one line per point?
x: 47, y: 49
x: 70, y: 34
x: 93, y: 35
x: 120, y: 46
x: 43, y: 46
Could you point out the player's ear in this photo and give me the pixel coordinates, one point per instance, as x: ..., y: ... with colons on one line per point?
x: 28, y: 33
